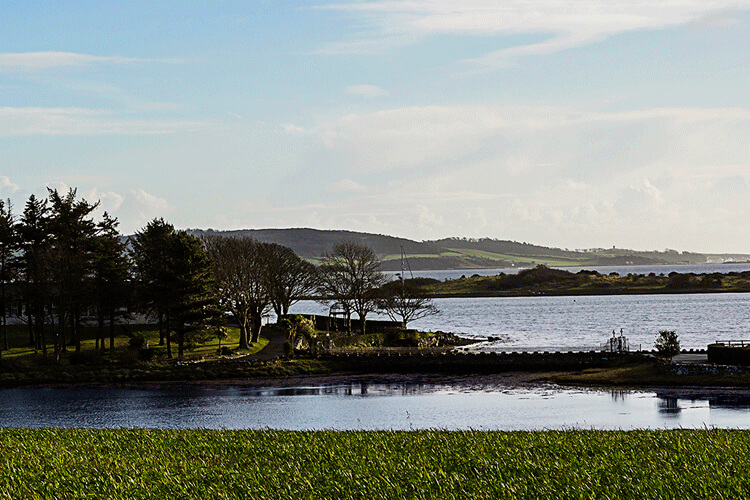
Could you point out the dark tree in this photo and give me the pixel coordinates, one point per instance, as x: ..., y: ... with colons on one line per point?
x: 350, y: 275
x: 150, y: 254
x: 9, y: 244
x: 175, y: 276
x: 33, y: 266
x: 193, y: 303
x: 111, y: 270
x: 667, y: 344
x: 405, y: 302
x: 72, y: 231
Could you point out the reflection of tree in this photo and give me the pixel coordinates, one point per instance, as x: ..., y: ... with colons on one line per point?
x: 669, y: 406
x: 619, y: 394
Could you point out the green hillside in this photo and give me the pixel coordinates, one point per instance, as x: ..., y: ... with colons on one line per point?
x: 462, y: 253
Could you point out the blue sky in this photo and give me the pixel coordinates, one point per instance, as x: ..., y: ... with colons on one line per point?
x: 570, y: 124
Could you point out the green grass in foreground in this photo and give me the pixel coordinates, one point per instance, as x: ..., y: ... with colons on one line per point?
x: 53, y: 463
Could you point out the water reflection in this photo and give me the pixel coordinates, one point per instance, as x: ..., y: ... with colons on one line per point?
x: 669, y: 407
x: 372, y: 404
x: 730, y: 398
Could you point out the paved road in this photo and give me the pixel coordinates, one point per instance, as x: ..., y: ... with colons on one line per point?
x: 275, y: 347
x: 690, y: 358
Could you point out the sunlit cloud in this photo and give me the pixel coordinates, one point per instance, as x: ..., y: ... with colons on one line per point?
x: 7, y: 185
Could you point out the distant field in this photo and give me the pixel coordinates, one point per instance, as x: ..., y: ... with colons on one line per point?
x: 54, y: 463
x: 470, y: 255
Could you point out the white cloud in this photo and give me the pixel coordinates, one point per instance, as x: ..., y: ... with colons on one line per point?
x: 136, y: 208
x: 367, y: 91
x: 566, y: 24
x: 83, y: 121
x: 293, y: 129
x: 35, y: 61
x: 515, y: 140
x: 7, y: 185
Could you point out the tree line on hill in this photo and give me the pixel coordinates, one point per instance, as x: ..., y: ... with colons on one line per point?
x: 60, y: 266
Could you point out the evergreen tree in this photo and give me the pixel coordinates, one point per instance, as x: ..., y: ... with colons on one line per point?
x: 150, y: 254
x: 111, y: 269
x: 8, y: 248
x: 175, y: 276
x: 33, y: 231
x: 72, y: 231
x: 193, y: 303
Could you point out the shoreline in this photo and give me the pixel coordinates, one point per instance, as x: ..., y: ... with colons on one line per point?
x: 558, y: 380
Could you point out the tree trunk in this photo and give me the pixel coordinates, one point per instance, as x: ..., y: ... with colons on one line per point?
x: 257, y: 325
x: 166, y: 335
x: 111, y: 329
x: 243, y: 335
x: 161, y: 327
x: 180, y: 341
x: 40, y: 338
x: 100, y: 331
x: 5, y: 332
x: 77, y: 327
x: 30, y: 317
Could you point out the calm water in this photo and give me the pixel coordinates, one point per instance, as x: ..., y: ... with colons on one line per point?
x: 374, y: 406
x: 549, y: 323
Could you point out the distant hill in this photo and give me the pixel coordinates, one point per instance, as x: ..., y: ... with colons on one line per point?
x: 463, y: 253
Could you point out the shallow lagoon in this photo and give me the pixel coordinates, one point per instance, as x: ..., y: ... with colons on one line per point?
x: 367, y: 406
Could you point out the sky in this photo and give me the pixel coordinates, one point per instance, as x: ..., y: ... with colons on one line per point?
x: 573, y: 124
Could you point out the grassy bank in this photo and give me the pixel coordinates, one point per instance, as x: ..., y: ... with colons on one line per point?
x: 51, y: 463
x: 645, y: 374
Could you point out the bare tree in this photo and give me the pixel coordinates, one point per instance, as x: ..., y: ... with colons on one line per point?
x: 351, y: 275
x: 241, y: 279
x: 405, y: 302
x: 290, y: 278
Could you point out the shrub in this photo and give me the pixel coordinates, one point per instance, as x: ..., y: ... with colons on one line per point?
x: 137, y: 342
x: 89, y: 358
x: 667, y: 344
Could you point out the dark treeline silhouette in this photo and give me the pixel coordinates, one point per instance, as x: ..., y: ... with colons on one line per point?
x: 61, y: 267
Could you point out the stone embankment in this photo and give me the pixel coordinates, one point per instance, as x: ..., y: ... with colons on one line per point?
x: 398, y: 361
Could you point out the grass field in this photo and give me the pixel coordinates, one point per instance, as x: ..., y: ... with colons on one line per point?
x: 124, y: 463
x: 18, y: 341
